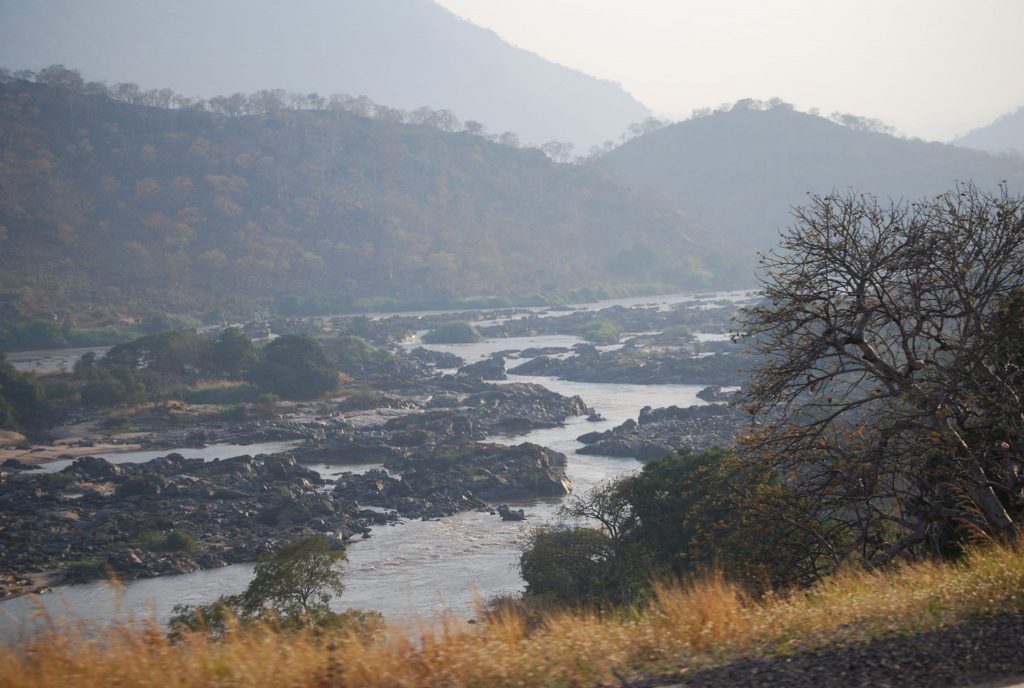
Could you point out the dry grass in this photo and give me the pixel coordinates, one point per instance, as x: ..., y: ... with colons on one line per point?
x: 685, y: 626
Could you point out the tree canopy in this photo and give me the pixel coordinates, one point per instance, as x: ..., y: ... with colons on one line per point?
x: 291, y: 588
x: 21, y: 396
x: 889, y: 393
x: 295, y: 366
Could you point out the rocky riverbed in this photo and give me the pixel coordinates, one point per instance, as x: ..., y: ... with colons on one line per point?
x: 651, y: 368
x: 175, y: 514
x: 425, y: 415
x: 658, y: 432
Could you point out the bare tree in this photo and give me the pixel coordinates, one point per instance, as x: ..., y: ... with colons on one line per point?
x: 558, y: 151
x: 889, y: 397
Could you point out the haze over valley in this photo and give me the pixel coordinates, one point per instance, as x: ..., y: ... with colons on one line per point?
x: 477, y: 343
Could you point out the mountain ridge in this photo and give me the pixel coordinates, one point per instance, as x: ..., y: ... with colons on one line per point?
x: 405, y: 53
x: 1003, y: 135
x: 108, y: 203
x: 739, y: 171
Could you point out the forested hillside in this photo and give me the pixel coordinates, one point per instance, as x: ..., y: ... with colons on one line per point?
x: 105, y: 203
x: 406, y: 53
x: 741, y: 170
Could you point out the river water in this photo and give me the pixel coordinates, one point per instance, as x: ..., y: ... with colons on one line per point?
x: 413, y: 570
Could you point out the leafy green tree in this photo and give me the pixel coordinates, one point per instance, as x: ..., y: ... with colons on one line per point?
x: 175, y: 353
x: 297, y: 581
x: 291, y: 588
x: 711, y: 510
x: 353, y: 355
x: 233, y: 353
x: 295, y: 367
x: 568, y: 566
x: 601, y: 331
x: 22, y: 398
x: 114, y: 385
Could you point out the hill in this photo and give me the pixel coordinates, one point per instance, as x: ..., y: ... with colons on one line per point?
x: 1005, y: 135
x: 104, y: 203
x: 406, y: 53
x: 740, y: 171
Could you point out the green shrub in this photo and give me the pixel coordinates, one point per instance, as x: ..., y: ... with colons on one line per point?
x: 232, y: 393
x: 266, y: 404
x: 601, y: 331
x: 83, y: 570
x: 352, y: 354
x: 171, y: 541
x: 234, y: 412
x: 295, y: 367
x: 360, y: 399
x: 61, y: 479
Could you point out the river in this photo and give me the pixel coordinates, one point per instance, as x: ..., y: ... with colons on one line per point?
x: 414, y: 570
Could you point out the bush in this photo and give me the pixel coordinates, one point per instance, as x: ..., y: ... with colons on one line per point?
x: 601, y: 331
x: 83, y: 570
x: 292, y: 589
x: 171, y: 541
x: 360, y: 399
x: 233, y: 353
x: 569, y: 567
x: 266, y: 404
x: 295, y: 367
x: 352, y: 354
x: 114, y: 386
x: 453, y: 333
x: 226, y: 393
x: 22, y: 398
x: 169, y: 352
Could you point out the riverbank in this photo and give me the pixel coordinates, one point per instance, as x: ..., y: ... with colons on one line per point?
x: 901, y: 620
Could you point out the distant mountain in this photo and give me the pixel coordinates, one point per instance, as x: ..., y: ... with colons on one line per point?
x: 402, y: 53
x: 1005, y: 135
x: 739, y: 172
x: 107, y: 206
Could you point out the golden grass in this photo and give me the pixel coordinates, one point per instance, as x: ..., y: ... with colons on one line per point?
x: 684, y: 626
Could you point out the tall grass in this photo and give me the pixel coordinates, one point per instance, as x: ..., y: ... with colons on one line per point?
x: 684, y: 626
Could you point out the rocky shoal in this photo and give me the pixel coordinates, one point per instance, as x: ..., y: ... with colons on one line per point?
x: 658, y: 432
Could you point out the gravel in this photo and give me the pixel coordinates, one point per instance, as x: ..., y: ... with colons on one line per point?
x: 979, y: 651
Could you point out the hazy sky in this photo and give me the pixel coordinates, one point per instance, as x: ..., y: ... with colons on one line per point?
x: 931, y: 68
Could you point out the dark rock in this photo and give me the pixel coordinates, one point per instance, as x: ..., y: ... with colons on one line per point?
x: 438, y: 359
x: 714, y: 394
x: 664, y: 430
x: 143, y: 486
x: 492, y: 368
x: 444, y: 401
x: 507, y: 513
x: 624, y: 366
x: 95, y: 468
x: 14, y: 464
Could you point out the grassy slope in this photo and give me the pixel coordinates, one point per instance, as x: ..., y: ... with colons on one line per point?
x: 683, y: 628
